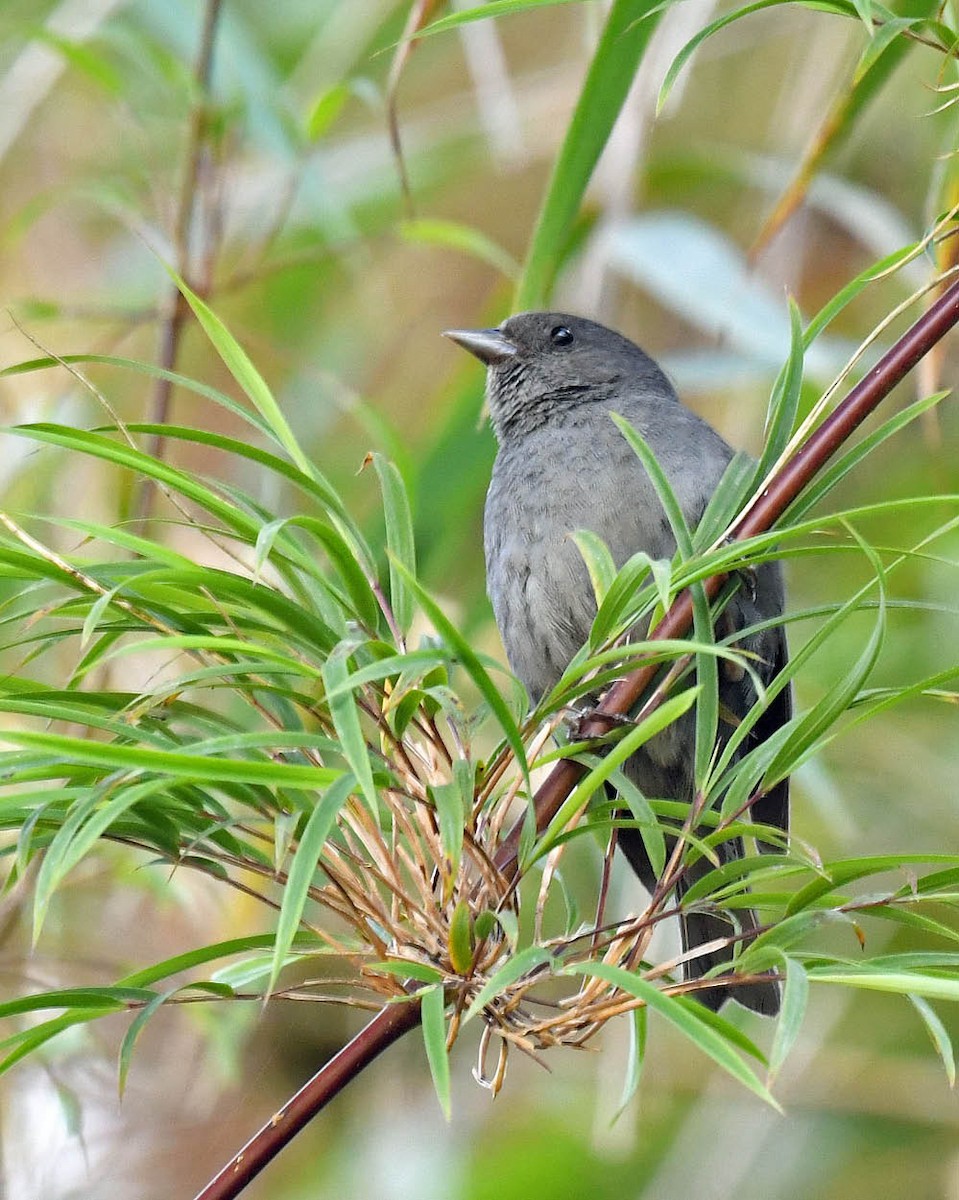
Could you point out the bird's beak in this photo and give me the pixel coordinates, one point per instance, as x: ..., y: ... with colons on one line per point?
x: 491, y: 346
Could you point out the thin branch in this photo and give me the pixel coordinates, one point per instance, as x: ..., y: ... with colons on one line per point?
x: 172, y: 328
x: 386, y: 1027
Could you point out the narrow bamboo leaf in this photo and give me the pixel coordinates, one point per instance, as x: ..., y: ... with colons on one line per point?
x: 904, y: 983
x: 241, y: 367
x: 822, y: 716
x: 303, y: 869
x: 623, y: 41
x: 217, y: 950
x: 684, y: 1017
x: 840, y: 467
x: 939, y: 1034
x: 635, y: 1057
x: 784, y: 402
x: 686, y: 53
x: 184, y: 765
x: 399, y: 539
x: 624, y: 598
x: 515, y: 967
x: 312, y: 485
x: 840, y: 872
x: 343, y: 557
x: 108, y: 998
x: 123, y: 455
x: 482, y: 12
x: 434, y: 1037
x: 460, y: 941
x: 664, y: 489
x: 707, y: 674
x: 450, y: 815
x: 727, y: 500
x: 404, y: 969
x: 598, y: 560
x: 325, y: 109
x: 85, y: 825
x: 795, y: 1000
x: 649, y: 828
x: 471, y: 663
x: 29, y: 1040
x: 417, y: 662
x: 669, y: 711
x: 139, y: 1022
x: 346, y: 720
x: 765, y: 950
x: 456, y: 236
x: 724, y: 1027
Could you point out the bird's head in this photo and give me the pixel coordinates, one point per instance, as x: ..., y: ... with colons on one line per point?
x: 542, y: 365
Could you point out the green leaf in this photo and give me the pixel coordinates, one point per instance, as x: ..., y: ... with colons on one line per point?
x: 636, y: 1056
x: 689, y: 49
x: 670, y: 710
x: 86, y: 823
x: 514, y: 968
x: 188, y: 764
x: 463, y: 651
x: 456, y: 236
x: 822, y: 717
x: 451, y: 806
x: 852, y: 456
x: 460, y: 942
x: 683, y: 1016
x: 599, y: 562
x: 795, y: 1000
x: 482, y: 12
x: 904, y: 983
x: 399, y: 539
x: 303, y: 869
x: 784, y: 402
x: 939, y: 1034
x: 326, y: 108
x: 110, y: 999
x: 241, y: 367
x: 623, y: 599
x: 434, y: 1037
x: 707, y: 674
x: 139, y: 1022
x: 346, y: 720
x: 404, y: 969
x: 840, y: 872
x: 623, y: 41
x: 344, y: 558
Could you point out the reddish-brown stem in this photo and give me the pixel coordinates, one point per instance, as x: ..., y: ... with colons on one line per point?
x: 386, y: 1027
x: 782, y: 488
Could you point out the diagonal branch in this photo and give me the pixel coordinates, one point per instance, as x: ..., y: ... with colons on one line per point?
x: 778, y: 493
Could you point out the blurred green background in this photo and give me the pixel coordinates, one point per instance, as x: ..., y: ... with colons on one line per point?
x: 339, y: 286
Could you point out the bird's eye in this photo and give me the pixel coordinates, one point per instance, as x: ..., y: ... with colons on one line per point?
x: 559, y: 335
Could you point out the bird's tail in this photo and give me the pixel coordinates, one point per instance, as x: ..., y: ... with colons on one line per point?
x: 700, y: 928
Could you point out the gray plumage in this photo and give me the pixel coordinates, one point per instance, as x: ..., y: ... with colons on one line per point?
x: 562, y: 465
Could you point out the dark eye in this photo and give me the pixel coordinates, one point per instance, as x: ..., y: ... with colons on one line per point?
x: 559, y: 335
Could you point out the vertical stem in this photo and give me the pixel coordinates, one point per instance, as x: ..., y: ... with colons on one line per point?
x: 183, y: 227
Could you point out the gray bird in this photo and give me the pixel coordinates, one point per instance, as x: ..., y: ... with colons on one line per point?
x: 562, y: 465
